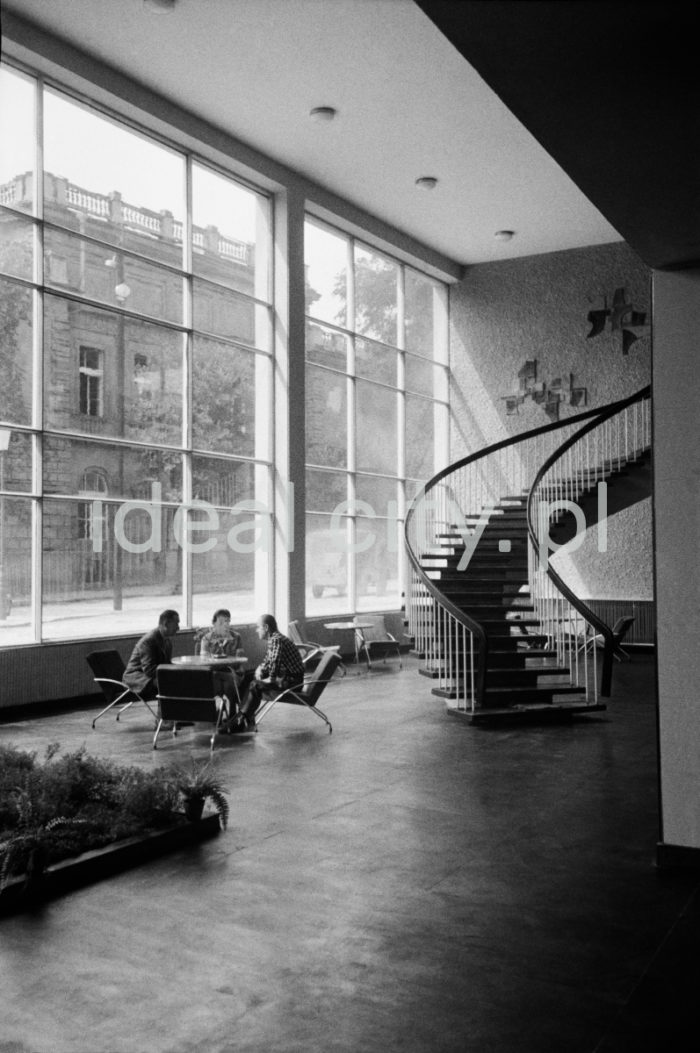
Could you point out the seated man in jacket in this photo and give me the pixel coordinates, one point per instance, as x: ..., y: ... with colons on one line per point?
x: 281, y: 668
x: 152, y: 650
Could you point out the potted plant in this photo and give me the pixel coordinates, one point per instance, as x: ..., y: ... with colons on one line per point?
x: 198, y: 785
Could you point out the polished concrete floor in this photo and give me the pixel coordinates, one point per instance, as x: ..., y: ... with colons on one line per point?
x: 406, y: 883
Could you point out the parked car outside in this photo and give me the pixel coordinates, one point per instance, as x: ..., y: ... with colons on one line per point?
x: 327, y: 561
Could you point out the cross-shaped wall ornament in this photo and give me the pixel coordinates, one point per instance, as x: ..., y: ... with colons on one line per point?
x: 622, y: 317
x: 548, y: 395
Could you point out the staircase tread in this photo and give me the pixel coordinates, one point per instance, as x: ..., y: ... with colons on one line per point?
x: 530, y: 653
x: 509, y: 621
x: 524, y: 711
x: 527, y: 695
x: 537, y: 670
x: 548, y: 689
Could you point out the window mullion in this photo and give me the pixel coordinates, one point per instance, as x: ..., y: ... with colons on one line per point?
x: 352, y: 423
x: 188, y: 390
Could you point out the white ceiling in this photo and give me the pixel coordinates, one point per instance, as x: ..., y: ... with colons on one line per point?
x: 408, y: 105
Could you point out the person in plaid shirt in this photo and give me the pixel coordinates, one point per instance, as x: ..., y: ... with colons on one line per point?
x: 281, y: 668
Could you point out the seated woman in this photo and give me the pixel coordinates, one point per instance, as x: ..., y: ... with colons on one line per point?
x: 221, y: 641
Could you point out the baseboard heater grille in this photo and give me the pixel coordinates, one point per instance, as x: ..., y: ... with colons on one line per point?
x: 643, y: 628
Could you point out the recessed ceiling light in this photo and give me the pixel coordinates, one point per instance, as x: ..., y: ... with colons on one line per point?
x: 504, y: 235
x: 426, y: 182
x: 322, y: 113
x: 159, y: 7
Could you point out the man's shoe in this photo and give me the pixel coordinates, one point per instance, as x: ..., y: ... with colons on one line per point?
x: 232, y: 729
x: 239, y: 724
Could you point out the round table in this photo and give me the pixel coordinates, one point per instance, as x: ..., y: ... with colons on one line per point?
x: 357, y: 627
x: 209, y: 660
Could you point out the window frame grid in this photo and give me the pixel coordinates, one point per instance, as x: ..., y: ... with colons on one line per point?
x: 40, y: 290
x: 439, y: 360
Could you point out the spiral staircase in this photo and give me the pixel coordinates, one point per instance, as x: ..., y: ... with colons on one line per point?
x: 501, y: 633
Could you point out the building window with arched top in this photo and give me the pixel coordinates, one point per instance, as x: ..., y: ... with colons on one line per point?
x: 92, y: 528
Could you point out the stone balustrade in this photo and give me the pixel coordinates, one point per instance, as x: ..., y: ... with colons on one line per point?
x: 59, y: 191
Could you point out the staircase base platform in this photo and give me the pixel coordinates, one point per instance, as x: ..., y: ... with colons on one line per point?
x: 527, y: 714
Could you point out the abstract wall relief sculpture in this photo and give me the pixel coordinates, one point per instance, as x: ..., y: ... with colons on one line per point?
x: 621, y: 317
x: 548, y: 395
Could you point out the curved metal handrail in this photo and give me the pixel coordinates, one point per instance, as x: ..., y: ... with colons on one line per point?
x: 602, y: 628
x: 590, y: 419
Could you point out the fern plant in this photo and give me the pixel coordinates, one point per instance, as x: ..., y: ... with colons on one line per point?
x: 27, y: 849
x: 72, y: 803
x: 198, y: 784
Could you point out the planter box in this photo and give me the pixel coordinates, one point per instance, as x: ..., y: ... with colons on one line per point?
x: 100, y: 863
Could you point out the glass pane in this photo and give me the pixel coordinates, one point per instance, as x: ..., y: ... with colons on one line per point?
x: 15, y: 460
x: 223, y: 313
x: 126, y: 189
x: 106, y: 374
x: 15, y: 571
x: 326, y: 418
x: 326, y: 346
x: 419, y: 313
x: 17, y: 138
x: 421, y: 375
x: 327, y: 551
x: 224, y: 576
x: 114, y: 278
x: 441, y: 417
x: 223, y: 397
x: 325, y: 490
x: 376, y: 295
x: 412, y: 488
x: 16, y: 254
x: 379, y: 493
x: 375, y: 361
x: 376, y: 428
x: 326, y: 262
x: 420, y: 429
x: 376, y: 564
x: 230, y: 233
x: 75, y: 466
x: 16, y: 341
x: 442, y: 384
x: 110, y: 573
x: 222, y: 483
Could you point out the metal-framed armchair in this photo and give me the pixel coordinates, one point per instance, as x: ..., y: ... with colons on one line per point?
x: 309, y: 693
x: 108, y: 670
x: 311, y: 653
x: 619, y: 631
x: 375, y: 640
x: 188, y: 696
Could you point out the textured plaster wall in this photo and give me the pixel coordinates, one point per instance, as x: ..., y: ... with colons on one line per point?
x: 536, y: 308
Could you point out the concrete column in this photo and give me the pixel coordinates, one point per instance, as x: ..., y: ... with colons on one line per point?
x: 676, y: 440
x: 289, y: 408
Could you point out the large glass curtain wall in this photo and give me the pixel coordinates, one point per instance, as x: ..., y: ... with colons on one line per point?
x: 376, y: 416
x: 135, y: 349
